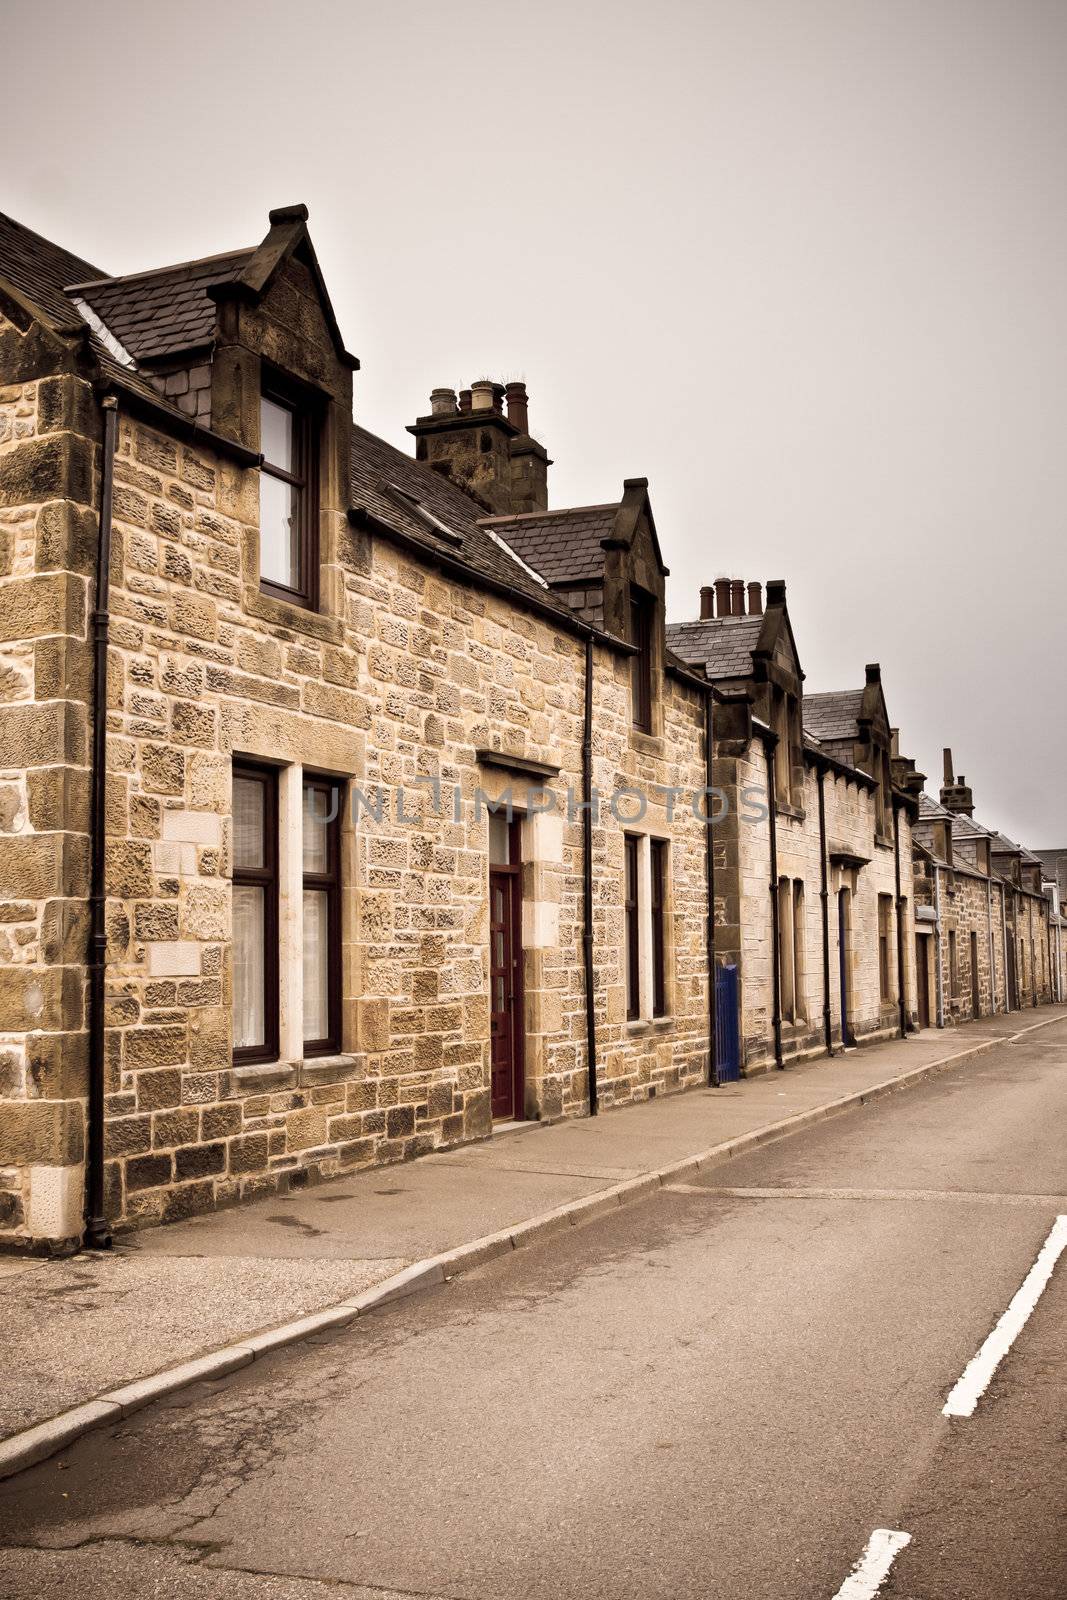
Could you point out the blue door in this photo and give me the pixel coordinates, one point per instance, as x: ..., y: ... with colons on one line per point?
x: 727, y: 1025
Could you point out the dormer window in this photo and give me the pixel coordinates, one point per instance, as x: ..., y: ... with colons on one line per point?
x: 288, y: 524
x: 642, y: 612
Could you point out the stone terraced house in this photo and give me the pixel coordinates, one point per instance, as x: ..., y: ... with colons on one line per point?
x: 354, y: 804
x: 989, y: 939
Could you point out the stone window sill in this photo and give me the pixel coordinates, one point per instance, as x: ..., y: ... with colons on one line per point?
x: 884, y: 841
x: 785, y: 809
x: 642, y: 1025
x: 293, y: 1074
x: 649, y: 744
x: 287, y: 615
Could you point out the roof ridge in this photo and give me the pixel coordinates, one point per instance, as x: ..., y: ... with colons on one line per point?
x: 158, y: 272
x: 555, y: 511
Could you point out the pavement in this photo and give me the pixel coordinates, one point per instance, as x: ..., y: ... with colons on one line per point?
x: 77, y: 1329
x: 721, y: 1390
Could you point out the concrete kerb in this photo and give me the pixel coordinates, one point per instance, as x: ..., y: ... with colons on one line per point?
x: 26, y: 1449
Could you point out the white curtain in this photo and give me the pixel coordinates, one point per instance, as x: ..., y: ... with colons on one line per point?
x: 316, y: 965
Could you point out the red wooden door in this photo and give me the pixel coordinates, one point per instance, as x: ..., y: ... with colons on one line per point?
x: 505, y: 990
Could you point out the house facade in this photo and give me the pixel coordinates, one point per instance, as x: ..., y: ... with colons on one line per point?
x: 987, y: 933
x: 355, y: 803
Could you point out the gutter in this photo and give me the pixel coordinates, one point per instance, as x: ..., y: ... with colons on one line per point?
x: 992, y: 951
x: 770, y: 741
x: 901, y: 997
x: 940, y: 972
x: 97, y: 1232
x: 824, y: 896
x: 136, y: 402
x: 709, y: 864
x: 587, y: 877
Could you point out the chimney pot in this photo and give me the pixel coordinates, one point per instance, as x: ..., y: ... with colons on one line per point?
x: 874, y: 672
x: 776, y: 591
x: 946, y: 756
x: 464, y: 401
x: 707, y: 602
x: 482, y: 395
x: 755, y: 599
x: 722, y: 596
x: 737, y: 597
x: 518, y: 415
x: 498, y: 399
x: 443, y: 402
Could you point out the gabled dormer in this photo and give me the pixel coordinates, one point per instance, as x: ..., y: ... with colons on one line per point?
x: 749, y: 649
x: 605, y: 562
x: 247, y: 344
x: 853, y: 725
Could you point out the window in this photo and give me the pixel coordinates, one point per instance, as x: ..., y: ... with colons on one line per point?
x: 322, y: 916
x: 641, y: 616
x: 885, y: 971
x: 659, y: 942
x: 786, y: 991
x: 255, y: 914
x: 953, y: 969
x: 288, y: 512
x: 633, y: 932
x: 800, y: 1008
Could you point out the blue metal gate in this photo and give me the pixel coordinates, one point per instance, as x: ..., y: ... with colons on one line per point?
x: 727, y: 1029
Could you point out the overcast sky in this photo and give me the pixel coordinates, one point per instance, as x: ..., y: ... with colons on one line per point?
x: 799, y: 262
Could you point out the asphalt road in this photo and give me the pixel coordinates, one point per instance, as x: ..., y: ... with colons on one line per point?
x: 720, y: 1392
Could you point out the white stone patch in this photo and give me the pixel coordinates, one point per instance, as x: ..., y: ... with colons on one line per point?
x: 202, y: 828
x: 173, y: 958
x: 55, y: 1204
x: 540, y: 925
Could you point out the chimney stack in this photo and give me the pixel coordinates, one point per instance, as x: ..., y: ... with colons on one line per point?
x: 443, y: 402
x: 955, y: 795
x: 515, y: 395
x: 755, y: 599
x: 737, y: 596
x: 707, y: 602
x: 489, y: 455
x: 722, y: 597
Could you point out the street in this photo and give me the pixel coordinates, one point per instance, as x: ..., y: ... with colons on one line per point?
x: 719, y: 1392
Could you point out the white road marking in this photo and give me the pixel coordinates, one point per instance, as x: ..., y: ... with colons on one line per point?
x: 980, y: 1369
x: 872, y: 1569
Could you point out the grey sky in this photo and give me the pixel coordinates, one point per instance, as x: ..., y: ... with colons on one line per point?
x: 800, y: 262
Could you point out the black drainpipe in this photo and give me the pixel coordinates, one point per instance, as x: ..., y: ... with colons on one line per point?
x: 709, y: 750
x: 587, y: 875
x: 903, y: 1004
x: 97, y: 1232
x: 824, y: 896
x: 769, y: 742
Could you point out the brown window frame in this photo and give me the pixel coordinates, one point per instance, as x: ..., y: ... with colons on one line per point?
x: 659, y: 858
x: 632, y: 908
x: 642, y: 613
x: 885, y: 928
x: 306, y: 428
x: 331, y: 882
x: 266, y: 878
x: 953, y: 966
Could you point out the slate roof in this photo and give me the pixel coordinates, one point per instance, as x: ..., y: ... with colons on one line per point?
x: 723, y: 646
x: 563, y: 546
x: 834, y: 715
x: 40, y: 269
x: 164, y: 312
x: 385, y: 481
x: 379, y: 469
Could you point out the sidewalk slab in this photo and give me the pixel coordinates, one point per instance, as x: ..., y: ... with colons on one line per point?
x: 90, y: 1338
